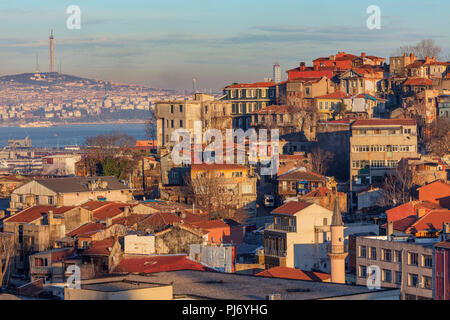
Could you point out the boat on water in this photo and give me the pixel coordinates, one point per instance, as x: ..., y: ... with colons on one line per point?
x: 40, y: 124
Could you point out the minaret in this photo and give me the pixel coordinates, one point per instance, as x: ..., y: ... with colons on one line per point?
x: 337, y: 252
x: 51, y: 67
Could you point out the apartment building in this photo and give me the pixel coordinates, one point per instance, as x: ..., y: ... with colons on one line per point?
x: 237, y: 181
x: 246, y: 98
x: 182, y: 114
x: 300, y: 92
x: 441, y: 278
x: 376, y: 147
x: 70, y: 191
x: 404, y: 262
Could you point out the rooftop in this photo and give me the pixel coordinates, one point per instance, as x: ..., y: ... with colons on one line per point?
x: 228, y: 286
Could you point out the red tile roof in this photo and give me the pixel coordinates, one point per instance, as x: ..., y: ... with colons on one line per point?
x: 112, y: 210
x: 92, y: 205
x: 418, y: 82
x: 292, y: 273
x: 384, y: 122
x: 158, y: 264
x: 131, y: 219
x: 291, y: 207
x: 251, y: 85
x: 334, y: 95
x: 443, y: 244
x: 100, y: 248
x: 211, y: 224
x: 409, y: 209
x: 87, y: 229
x: 319, y: 192
x: 36, y: 212
x: 433, y: 220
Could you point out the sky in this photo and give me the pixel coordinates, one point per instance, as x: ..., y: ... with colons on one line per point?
x: 166, y: 43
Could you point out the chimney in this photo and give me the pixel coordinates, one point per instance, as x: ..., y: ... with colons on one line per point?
x: 363, y: 54
x: 126, y: 211
x: 390, y: 229
x: 302, y: 66
x: 421, y: 212
x: 446, y: 228
x: 316, y: 67
x: 412, y: 57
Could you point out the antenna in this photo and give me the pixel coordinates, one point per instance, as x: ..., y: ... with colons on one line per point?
x: 37, y: 64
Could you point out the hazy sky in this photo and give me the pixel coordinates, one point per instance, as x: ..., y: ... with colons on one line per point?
x: 165, y: 43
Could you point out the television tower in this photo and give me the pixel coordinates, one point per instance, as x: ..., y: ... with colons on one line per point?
x: 51, y: 67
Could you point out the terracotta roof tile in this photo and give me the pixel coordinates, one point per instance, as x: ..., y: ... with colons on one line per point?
x: 158, y: 264
x: 291, y: 207
x: 36, y: 212
x: 292, y: 273
x: 384, y: 122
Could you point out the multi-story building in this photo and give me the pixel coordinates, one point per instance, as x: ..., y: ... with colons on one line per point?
x: 376, y: 147
x: 301, y: 92
x: 246, y: 98
x: 182, y: 114
x: 237, y: 181
x: 70, y: 191
x: 441, y: 274
x: 403, y: 262
x: 444, y: 106
x: 326, y: 104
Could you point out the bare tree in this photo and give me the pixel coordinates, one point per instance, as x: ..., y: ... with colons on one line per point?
x: 213, y: 194
x: 422, y: 49
x: 150, y: 129
x: 6, y: 250
x: 105, y: 146
x: 398, y: 187
x: 437, y: 137
x: 320, y: 160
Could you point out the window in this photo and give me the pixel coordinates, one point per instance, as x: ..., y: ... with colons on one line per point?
x: 362, y: 271
x: 236, y: 174
x: 171, y: 123
x: 377, y: 164
x: 20, y: 198
x: 373, y: 253
x: 38, y: 262
x: 285, y: 185
x: 427, y: 261
x: 181, y: 123
x: 398, y: 277
x: 386, y: 275
x: 362, y: 251
x: 51, y: 200
x: 36, y: 199
x: 293, y: 185
x: 412, y: 259
x: 392, y: 163
x: 325, y: 221
x: 171, y: 108
x: 181, y: 108
x: 386, y: 255
x: 413, y: 280
x: 398, y: 256
x: 427, y: 282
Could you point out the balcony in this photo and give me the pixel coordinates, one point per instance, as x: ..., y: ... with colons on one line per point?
x: 278, y: 227
x: 337, y: 249
x: 275, y: 253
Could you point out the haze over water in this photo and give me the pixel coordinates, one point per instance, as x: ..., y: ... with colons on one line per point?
x: 68, y: 134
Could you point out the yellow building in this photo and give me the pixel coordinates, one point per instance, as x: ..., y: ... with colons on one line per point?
x: 325, y: 104
x: 235, y: 178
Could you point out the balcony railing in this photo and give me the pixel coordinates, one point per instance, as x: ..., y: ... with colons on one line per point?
x: 275, y: 253
x: 278, y: 227
x: 337, y: 249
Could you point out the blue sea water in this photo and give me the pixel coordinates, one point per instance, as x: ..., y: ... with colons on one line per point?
x: 62, y: 135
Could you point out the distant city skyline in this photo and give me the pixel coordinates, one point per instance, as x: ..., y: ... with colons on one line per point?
x: 167, y: 44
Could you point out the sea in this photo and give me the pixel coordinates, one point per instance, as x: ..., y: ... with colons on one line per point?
x: 65, y: 135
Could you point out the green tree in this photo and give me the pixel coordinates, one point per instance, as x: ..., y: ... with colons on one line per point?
x: 339, y: 110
